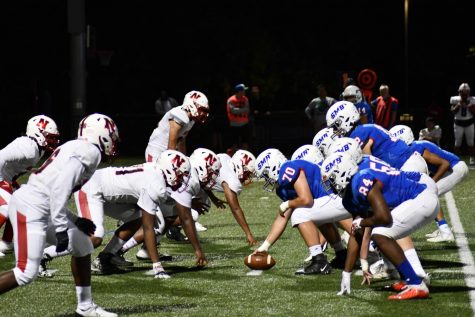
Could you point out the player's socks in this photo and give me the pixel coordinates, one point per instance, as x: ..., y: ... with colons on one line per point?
x: 315, y: 250
x: 408, y: 274
x: 129, y: 245
x: 51, y: 251
x: 412, y: 257
x: 8, y: 232
x: 114, y: 245
x: 83, y: 294
x: 444, y: 226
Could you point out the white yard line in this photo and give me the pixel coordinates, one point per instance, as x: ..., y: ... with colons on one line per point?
x: 463, y: 246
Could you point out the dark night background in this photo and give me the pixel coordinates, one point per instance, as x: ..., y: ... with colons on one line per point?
x: 287, y: 49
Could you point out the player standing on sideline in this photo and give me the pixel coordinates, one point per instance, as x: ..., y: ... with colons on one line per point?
x: 462, y: 107
x: 306, y: 204
x: 19, y: 157
x: 39, y: 211
x: 369, y: 194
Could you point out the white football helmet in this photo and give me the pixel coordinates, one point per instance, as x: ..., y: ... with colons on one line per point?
x: 207, y: 164
x: 44, y: 131
x: 197, y: 104
x: 337, y: 170
x: 402, y: 132
x: 100, y: 130
x: 323, y: 139
x: 308, y: 153
x: 175, y: 167
x: 342, y: 117
x: 244, y: 163
x: 347, y: 145
x: 464, y: 87
x: 268, y: 165
x: 353, y: 94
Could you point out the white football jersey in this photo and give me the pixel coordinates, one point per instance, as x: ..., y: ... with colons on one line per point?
x: 142, y: 184
x: 65, y: 171
x: 18, y: 157
x: 462, y: 115
x: 158, y: 141
x: 227, y: 174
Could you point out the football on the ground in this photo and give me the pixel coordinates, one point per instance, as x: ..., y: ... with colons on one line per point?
x: 259, y: 261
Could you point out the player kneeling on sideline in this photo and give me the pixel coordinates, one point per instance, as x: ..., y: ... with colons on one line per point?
x: 305, y: 203
x: 369, y: 194
x: 17, y: 158
x: 234, y: 173
x: 39, y: 210
x: 124, y: 193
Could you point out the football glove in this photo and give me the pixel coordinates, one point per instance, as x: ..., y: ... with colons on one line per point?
x: 85, y: 225
x: 345, y: 283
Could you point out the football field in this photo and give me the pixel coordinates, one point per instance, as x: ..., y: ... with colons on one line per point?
x: 224, y: 289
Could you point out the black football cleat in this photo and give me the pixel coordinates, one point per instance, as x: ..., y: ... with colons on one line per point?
x: 318, y: 265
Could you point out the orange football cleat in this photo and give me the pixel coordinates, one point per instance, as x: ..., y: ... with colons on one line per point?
x: 396, y: 287
x: 412, y: 292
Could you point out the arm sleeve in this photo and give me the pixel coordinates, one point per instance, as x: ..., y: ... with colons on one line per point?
x: 61, y: 190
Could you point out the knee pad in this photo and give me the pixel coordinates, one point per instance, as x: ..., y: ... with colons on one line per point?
x: 79, y: 243
x: 27, y: 276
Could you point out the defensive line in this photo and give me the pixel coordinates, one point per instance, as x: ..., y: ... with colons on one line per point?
x: 463, y: 247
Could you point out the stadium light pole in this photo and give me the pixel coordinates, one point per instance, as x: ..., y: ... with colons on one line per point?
x: 76, y: 30
x: 406, y: 53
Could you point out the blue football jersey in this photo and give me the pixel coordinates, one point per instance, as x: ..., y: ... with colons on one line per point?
x: 397, y: 188
x: 370, y: 161
x: 289, y: 173
x: 421, y: 146
x: 391, y: 150
x: 365, y: 109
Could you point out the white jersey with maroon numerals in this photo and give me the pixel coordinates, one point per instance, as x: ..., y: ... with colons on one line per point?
x: 158, y: 141
x: 18, y: 157
x: 463, y: 113
x: 65, y: 171
x: 227, y: 174
x: 142, y: 184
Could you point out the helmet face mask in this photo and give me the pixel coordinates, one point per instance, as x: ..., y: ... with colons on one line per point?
x: 175, y: 167
x: 207, y: 165
x: 244, y: 165
x: 102, y: 131
x: 268, y: 165
x: 342, y: 117
x: 337, y: 171
x: 44, y: 131
x: 196, y: 103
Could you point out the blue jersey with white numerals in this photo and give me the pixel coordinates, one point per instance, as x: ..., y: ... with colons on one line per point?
x: 397, y: 188
x: 365, y: 109
x: 391, y: 150
x: 288, y: 174
x: 421, y: 146
x: 370, y: 161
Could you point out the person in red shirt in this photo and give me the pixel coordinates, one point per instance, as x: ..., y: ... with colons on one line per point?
x: 238, y: 110
x: 385, y: 108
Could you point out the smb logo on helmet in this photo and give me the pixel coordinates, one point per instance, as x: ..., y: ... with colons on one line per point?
x: 263, y: 161
x: 344, y: 148
x: 322, y: 138
x: 330, y: 165
x: 302, y: 154
x: 337, y: 110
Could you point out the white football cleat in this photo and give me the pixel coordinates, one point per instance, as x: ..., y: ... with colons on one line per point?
x: 142, y: 254
x: 433, y: 234
x: 442, y: 237
x: 95, y: 311
x: 200, y: 227
x: 6, y: 247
